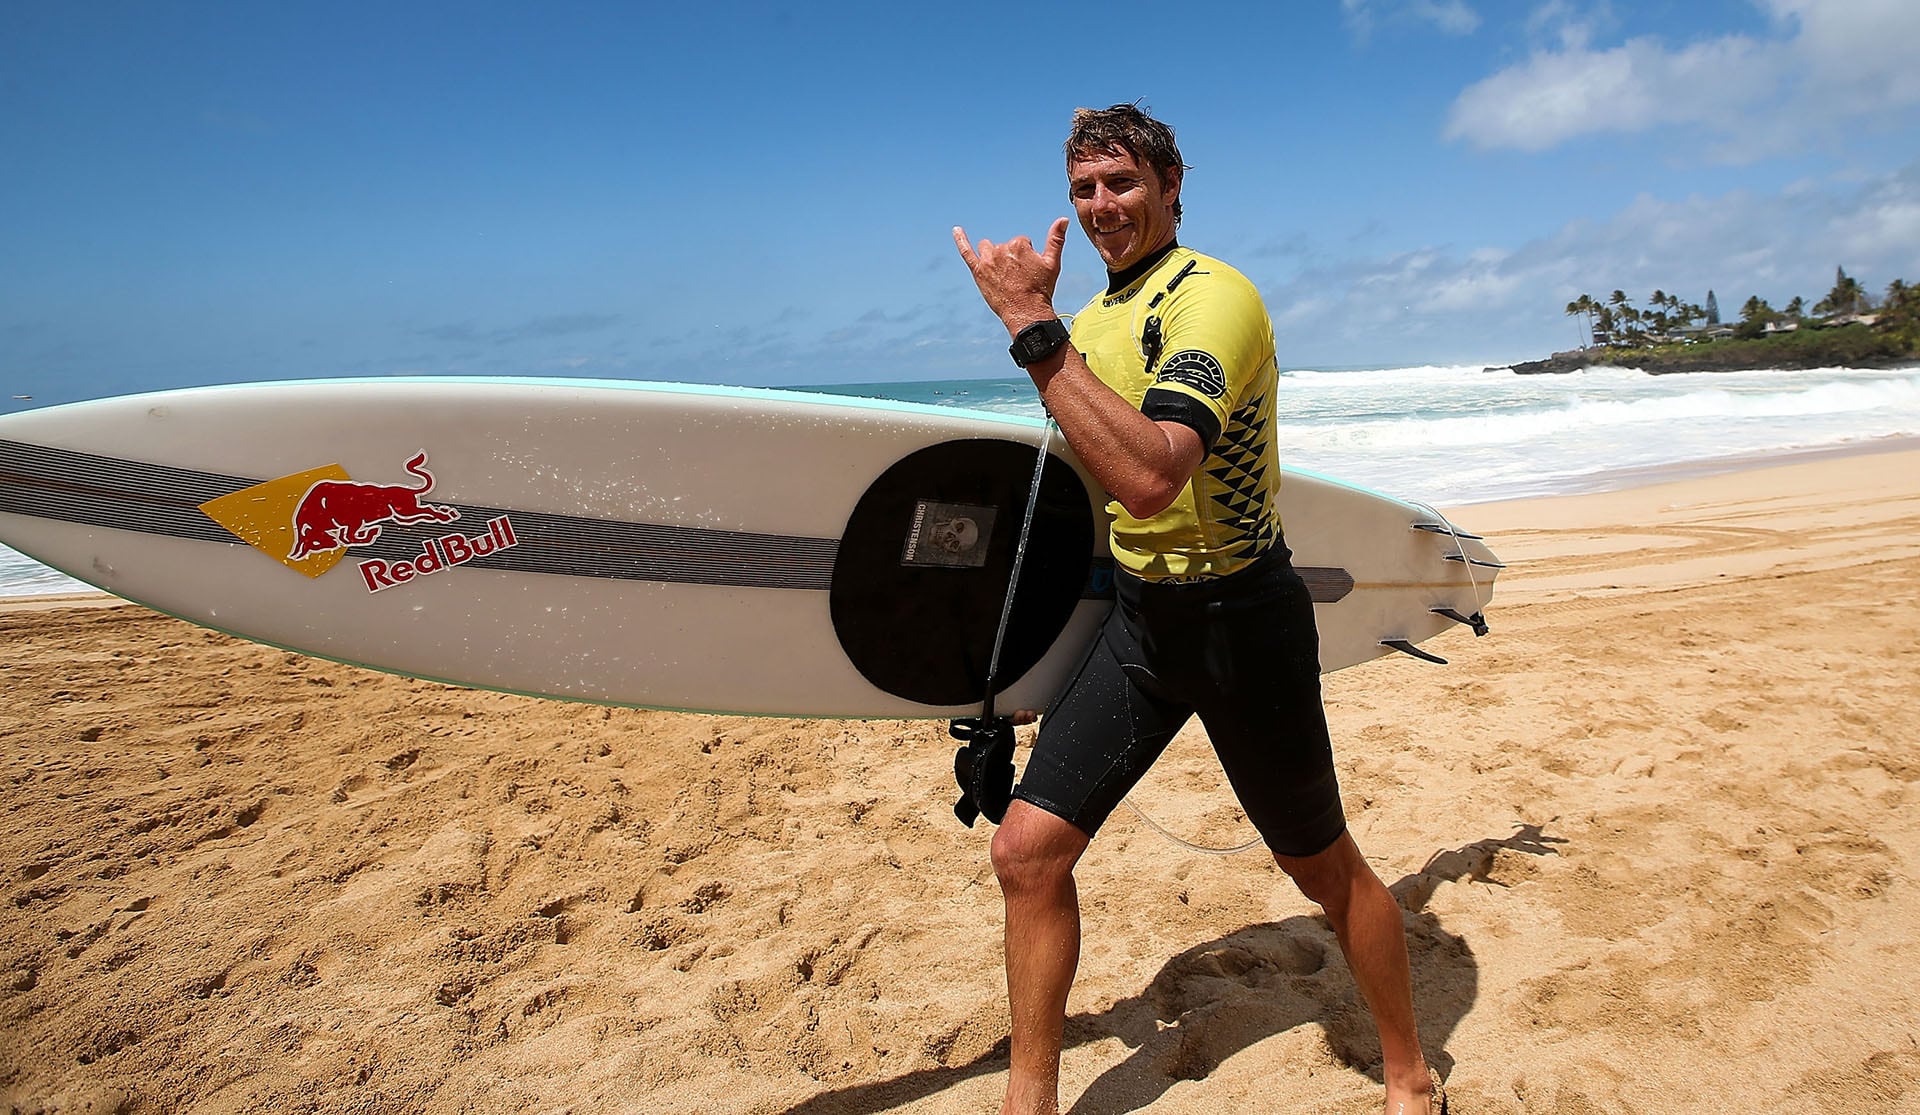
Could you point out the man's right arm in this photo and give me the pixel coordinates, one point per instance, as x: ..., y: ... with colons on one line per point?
x: 1142, y: 463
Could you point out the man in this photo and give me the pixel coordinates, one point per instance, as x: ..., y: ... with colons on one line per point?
x: 1165, y: 389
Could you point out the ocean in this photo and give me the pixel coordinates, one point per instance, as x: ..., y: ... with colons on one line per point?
x: 1449, y: 436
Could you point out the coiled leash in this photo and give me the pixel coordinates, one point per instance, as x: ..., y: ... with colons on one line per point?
x: 984, y: 767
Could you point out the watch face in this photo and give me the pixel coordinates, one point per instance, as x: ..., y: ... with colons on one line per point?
x: 1038, y: 341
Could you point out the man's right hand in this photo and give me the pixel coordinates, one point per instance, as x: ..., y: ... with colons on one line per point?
x: 1016, y: 281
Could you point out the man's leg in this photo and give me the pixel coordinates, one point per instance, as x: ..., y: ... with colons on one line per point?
x: 1033, y: 854
x: 1367, y: 920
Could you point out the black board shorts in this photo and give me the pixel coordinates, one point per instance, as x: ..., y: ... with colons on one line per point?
x: 1241, y: 651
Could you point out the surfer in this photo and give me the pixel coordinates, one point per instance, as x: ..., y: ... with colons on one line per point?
x: 1164, y: 386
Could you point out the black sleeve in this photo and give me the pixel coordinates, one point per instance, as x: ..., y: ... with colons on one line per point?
x: 1162, y: 405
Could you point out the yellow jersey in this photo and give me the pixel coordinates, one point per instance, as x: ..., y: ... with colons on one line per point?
x: 1188, y: 340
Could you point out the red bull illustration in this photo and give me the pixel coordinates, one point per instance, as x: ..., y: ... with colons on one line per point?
x: 335, y: 514
x: 308, y: 520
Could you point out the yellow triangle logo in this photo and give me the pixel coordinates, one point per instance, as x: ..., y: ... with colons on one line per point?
x: 262, y: 517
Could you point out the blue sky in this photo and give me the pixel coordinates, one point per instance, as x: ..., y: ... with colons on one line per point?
x: 761, y: 194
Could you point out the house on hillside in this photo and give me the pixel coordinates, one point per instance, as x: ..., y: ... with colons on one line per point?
x: 1690, y: 334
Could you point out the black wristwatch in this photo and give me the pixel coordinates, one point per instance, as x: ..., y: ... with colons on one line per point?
x: 1038, y: 341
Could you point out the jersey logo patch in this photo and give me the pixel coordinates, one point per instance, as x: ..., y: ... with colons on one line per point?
x: 1195, y: 369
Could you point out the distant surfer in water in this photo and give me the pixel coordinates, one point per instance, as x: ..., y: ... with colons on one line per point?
x: 1164, y: 386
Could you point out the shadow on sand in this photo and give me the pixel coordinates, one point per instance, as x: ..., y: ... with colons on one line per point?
x: 1216, y: 999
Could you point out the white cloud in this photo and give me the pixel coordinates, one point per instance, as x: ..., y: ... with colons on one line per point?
x: 1834, y: 60
x: 1559, y: 21
x: 1476, y: 284
x: 1452, y: 17
x: 1887, y: 223
x: 1856, y: 53
x: 1444, y: 304
x: 1557, y: 95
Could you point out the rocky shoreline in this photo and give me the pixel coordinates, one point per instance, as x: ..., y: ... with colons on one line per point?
x: 1851, y: 347
x: 1560, y: 363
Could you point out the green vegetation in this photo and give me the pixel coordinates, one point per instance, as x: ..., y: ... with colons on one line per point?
x: 1847, y: 327
x: 1845, y: 346
x: 1618, y: 321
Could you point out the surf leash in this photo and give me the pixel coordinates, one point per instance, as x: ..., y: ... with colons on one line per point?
x: 1476, y: 621
x: 1184, y: 843
x: 1133, y: 728
x: 984, y: 767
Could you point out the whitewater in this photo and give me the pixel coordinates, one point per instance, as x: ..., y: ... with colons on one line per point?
x: 1451, y: 436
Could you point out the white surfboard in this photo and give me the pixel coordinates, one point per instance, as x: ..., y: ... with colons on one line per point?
x: 658, y: 545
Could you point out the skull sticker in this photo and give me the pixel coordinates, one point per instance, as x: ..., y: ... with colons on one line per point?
x: 952, y: 535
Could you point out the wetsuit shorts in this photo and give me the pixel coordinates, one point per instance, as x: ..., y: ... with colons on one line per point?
x: 1242, y: 652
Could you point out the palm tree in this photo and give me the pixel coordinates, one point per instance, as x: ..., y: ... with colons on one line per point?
x: 1846, y: 297
x: 1659, y: 319
x: 1635, y: 327
x: 1584, y: 305
x: 1624, y: 317
x: 1901, y: 311
x: 1754, y: 316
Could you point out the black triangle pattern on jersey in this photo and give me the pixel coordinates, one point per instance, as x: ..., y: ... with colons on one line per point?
x: 1241, y: 472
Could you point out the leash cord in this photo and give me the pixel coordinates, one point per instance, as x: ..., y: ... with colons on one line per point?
x: 1459, y: 547
x: 1187, y: 844
x: 1006, y: 617
x: 1019, y: 559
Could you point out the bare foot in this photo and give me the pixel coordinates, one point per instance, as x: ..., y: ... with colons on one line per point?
x: 1428, y: 1100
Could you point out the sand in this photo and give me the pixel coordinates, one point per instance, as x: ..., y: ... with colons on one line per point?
x: 1656, y: 838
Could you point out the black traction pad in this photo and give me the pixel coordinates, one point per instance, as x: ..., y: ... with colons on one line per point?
x: 922, y: 571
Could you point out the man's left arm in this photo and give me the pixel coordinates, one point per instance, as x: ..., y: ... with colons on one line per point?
x: 1214, y: 339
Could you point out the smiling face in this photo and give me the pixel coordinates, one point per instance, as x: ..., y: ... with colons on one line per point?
x: 1124, y: 208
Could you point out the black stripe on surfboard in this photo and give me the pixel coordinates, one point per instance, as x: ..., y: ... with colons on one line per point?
x: 95, y: 490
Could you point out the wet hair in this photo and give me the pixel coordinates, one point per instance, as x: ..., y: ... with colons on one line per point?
x: 1127, y: 129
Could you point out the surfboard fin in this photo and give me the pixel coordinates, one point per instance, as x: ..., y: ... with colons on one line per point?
x: 984, y: 767
x: 1474, y: 561
x: 1405, y: 647
x: 1442, y: 528
x: 1476, y: 621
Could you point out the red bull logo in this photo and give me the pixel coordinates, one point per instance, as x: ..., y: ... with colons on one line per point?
x: 436, y: 554
x: 307, y: 521
x: 335, y: 514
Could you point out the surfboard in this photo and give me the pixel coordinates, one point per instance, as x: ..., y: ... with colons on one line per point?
x: 655, y: 545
